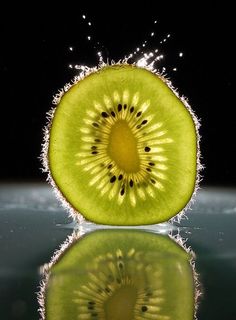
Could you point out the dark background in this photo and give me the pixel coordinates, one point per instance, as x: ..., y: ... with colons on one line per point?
x: 34, y: 59
x: 35, y: 55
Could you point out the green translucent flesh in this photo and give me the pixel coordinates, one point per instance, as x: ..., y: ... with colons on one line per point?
x: 65, y: 143
x: 154, y: 265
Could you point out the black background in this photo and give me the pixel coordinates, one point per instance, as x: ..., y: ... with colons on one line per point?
x: 35, y: 55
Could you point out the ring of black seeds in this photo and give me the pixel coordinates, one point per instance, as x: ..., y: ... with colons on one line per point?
x: 113, y: 179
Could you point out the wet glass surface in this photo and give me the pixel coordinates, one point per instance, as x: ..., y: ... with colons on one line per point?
x: 119, y: 274
x: 33, y: 226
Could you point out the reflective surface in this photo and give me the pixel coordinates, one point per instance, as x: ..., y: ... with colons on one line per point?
x: 33, y: 226
x: 115, y: 274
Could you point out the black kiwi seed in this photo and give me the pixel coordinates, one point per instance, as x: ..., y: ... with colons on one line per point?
x: 94, y: 152
x: 95, y: 125
x: 113, y: 114
x: 131, y: 183
x: 91, y: 302
x: 104, y: 115
x: 113, y: 179
x: 139, y: 114
x: 125, y: 106
x: 151, y: 164
x: 97, y: 140
x: 91, y: 307
x: 144, y: 308
x: 147, y: 149
x: 144, y: 122
x: 138, y: 126
x: 93, y: 147
x: 122, y: 192
x: 120, y: 177
x: 131, y: 109
x: 148, y: 169
x: 119, y: 107
x: 110, y: 166
x: 153, y: 181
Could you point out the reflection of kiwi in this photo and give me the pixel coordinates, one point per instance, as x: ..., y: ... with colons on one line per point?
x: 123, y: 147
x: 121, y: 275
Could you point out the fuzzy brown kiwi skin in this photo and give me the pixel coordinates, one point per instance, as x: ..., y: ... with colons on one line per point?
x: 75, y: 213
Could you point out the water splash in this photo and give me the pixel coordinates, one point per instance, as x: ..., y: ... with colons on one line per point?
x: 140, y: 56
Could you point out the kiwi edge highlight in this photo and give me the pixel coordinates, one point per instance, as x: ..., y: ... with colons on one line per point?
x: 136, y: 187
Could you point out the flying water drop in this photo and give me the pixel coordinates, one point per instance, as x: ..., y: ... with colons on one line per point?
x: 151, y: 60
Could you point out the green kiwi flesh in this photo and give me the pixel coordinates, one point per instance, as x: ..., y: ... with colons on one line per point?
x: 123, y: 147
x: 121, y: 274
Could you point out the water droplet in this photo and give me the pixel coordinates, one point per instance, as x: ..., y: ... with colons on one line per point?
x: 147, y: 59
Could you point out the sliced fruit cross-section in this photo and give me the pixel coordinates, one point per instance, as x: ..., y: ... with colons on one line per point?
x: 123, y: 147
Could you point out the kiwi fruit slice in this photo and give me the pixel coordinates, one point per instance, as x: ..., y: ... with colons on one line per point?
x: 122, y: 147
x: 121, y: 274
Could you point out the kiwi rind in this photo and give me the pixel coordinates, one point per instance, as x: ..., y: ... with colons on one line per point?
x: 70, y: 267
x: 143, y: 211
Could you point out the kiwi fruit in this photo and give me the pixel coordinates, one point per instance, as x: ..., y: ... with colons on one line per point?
x: 122, y: 147
x: 117, y: 274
